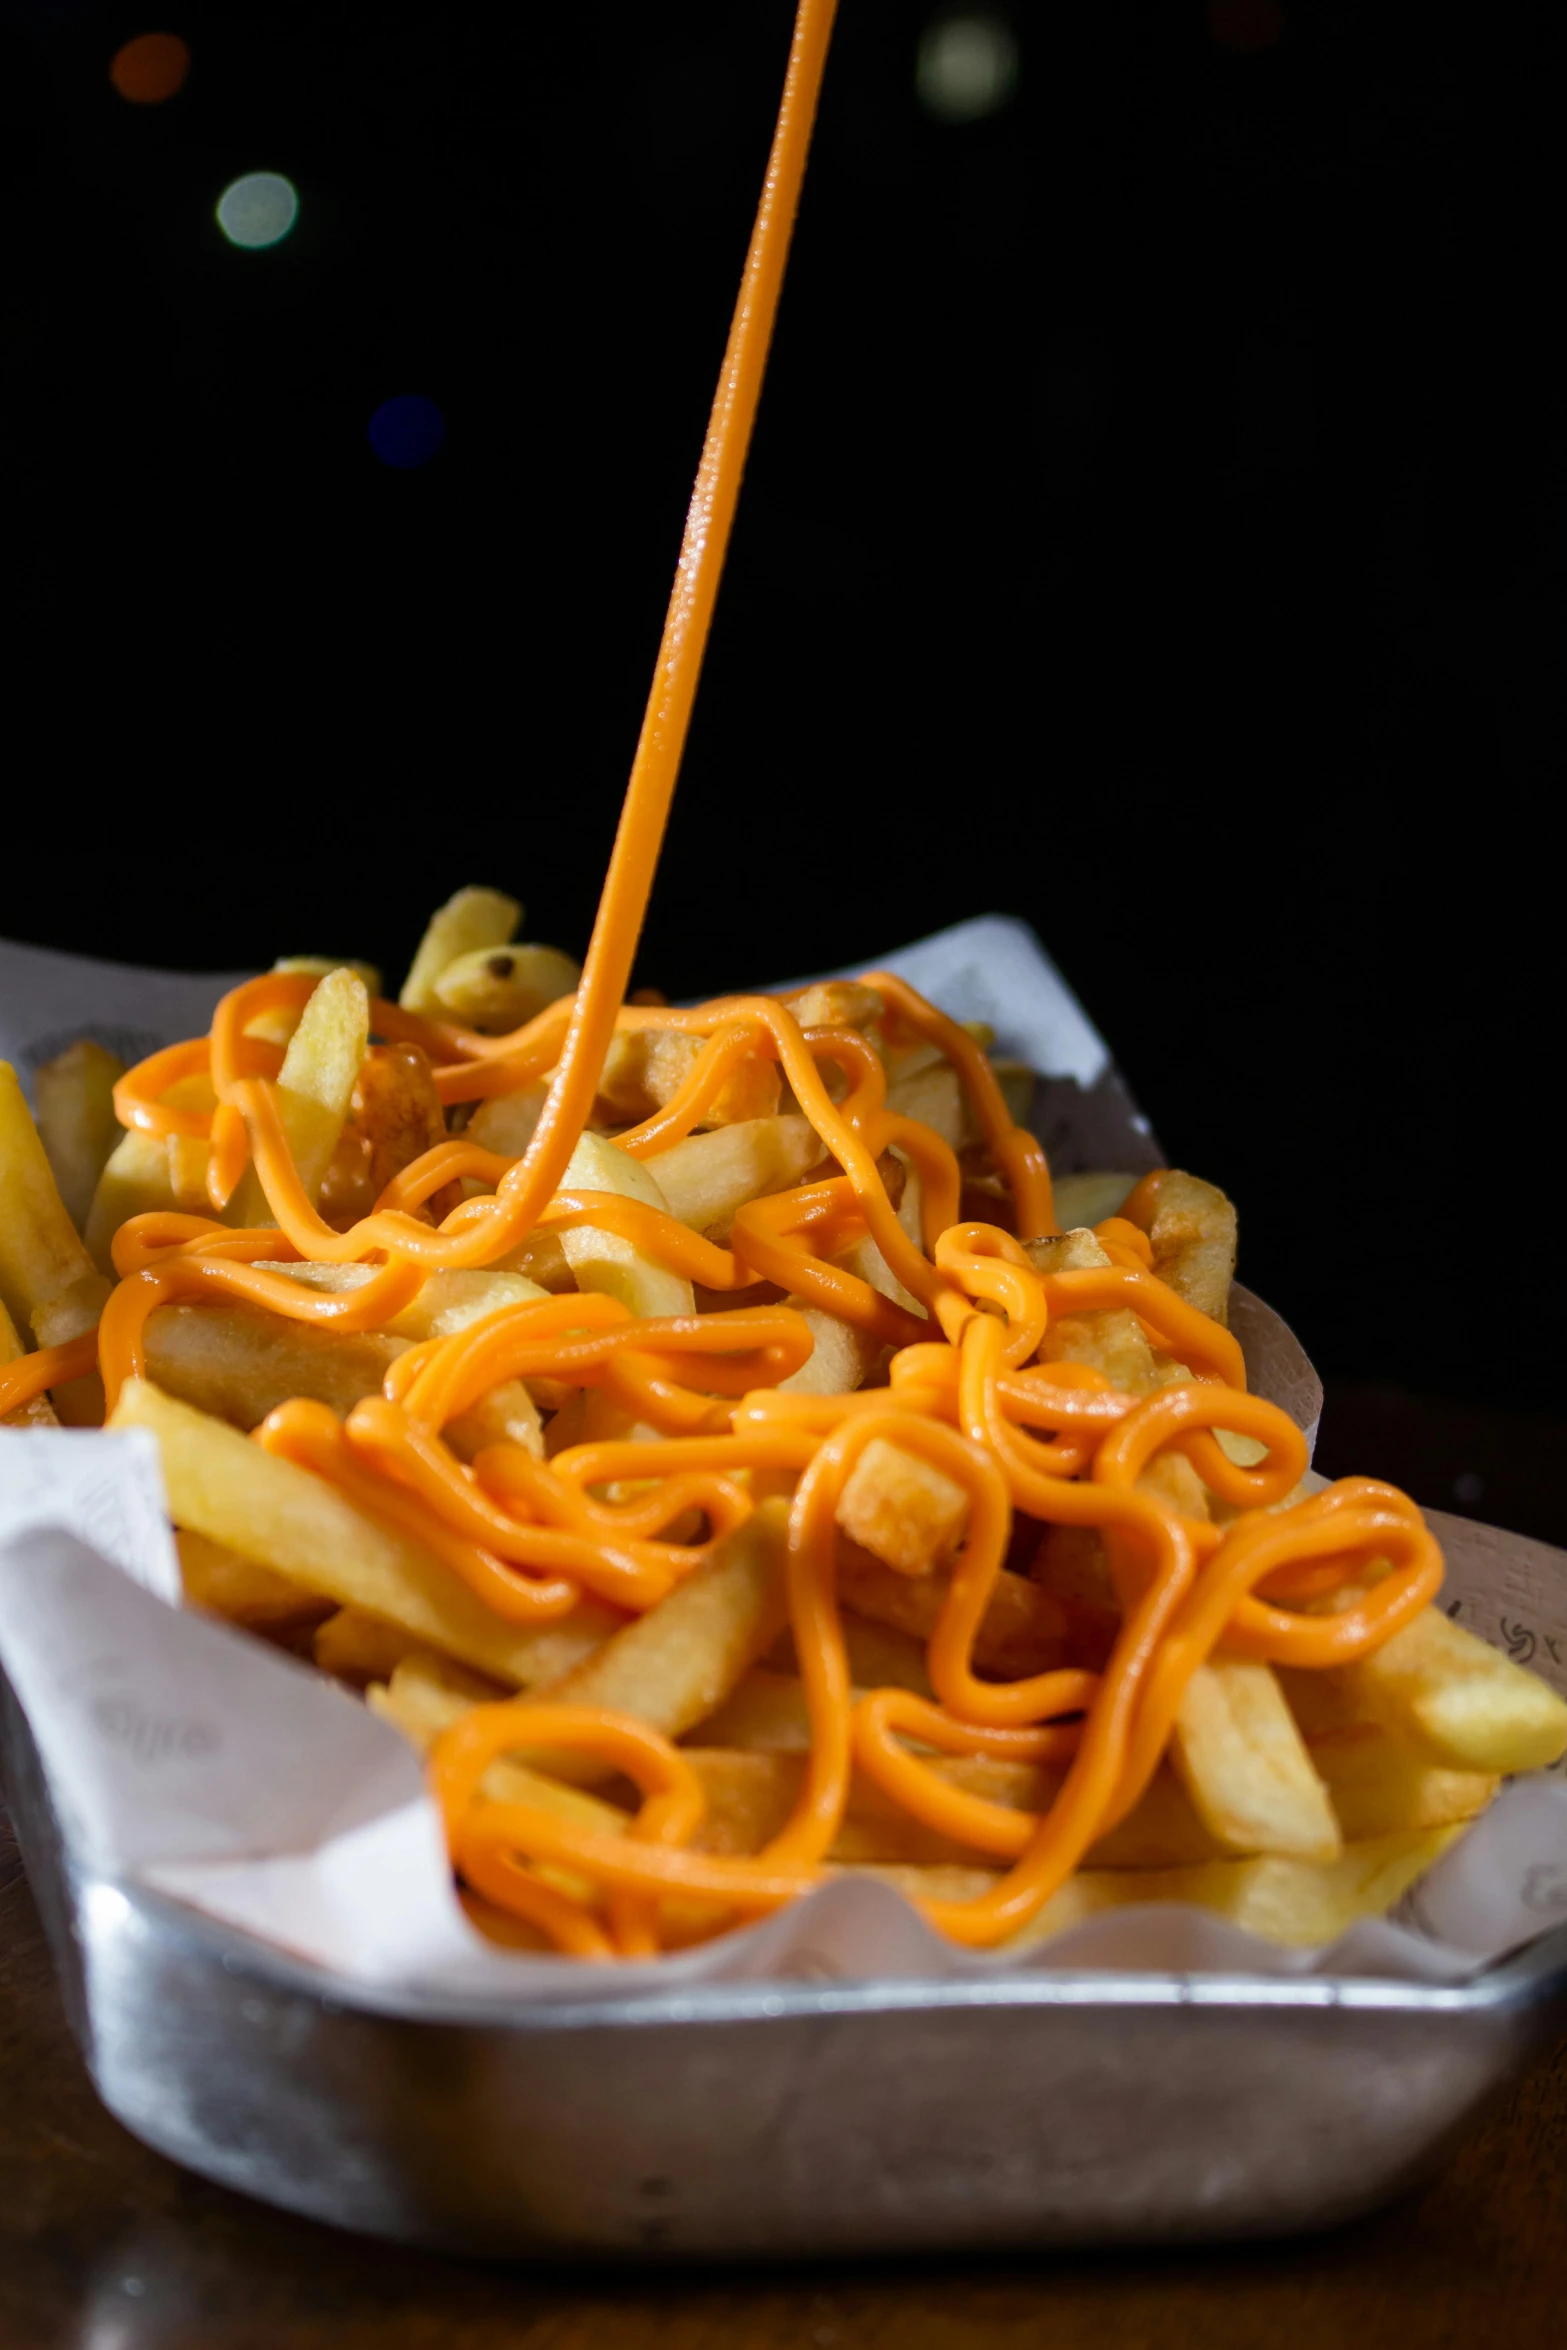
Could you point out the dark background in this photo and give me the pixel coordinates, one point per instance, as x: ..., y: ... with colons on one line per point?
x: 1155, y: 528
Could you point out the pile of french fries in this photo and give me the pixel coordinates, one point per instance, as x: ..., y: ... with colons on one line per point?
x: 1289, y: 1801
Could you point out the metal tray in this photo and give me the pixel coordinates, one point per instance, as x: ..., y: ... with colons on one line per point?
x: 777, y: 2120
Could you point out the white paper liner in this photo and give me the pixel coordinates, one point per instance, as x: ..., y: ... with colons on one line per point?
x: 205, y: 1764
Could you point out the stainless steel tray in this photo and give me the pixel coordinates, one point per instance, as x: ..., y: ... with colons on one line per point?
x: 796, y: 2118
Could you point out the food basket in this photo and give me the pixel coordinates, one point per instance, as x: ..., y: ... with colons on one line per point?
x: 1149, y: 2077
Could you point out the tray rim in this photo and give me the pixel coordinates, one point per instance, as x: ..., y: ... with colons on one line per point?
x: 1533, y: 1977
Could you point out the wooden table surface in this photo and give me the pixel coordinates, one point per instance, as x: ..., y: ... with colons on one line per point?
x: 104, y: 2246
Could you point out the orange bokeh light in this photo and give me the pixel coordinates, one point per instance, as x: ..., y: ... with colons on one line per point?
x: 150, y: 68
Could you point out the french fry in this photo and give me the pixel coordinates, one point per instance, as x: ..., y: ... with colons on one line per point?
x: 934, y: 1095
x: 470, y: 920
x: 707, y: 1176
x: 421, y: 1713
x: 906, y: 1513
x: 1243, y: 1762
x: 674, y: 1666
x: 1021, y: 1632
x: 318, y: 967
x: 280, y: 1025
x: 48, y: 1282
x: 764, y: 1713
x: 222, y: 1583
x: 506, y: 1124
x: 315, y: 1087
x: 839, y: 1359
x: 40, y: 1412
x: 421, y: 1702
x: 360, y: 1648
x: 1017, y: 1083
x: 1461, y: 1702
x: 1377, y: 1784
x: 1162, y: 1831
x: 446, y: 1303
x: 422, y: 1710
x: 76, y: 1120
x: 1086, y: 1200
x: 836, y: 1003
x: 240, y: 1362
x: 1299, y: 1903
x: 863, y: 1258
x: 136, y: 1181
x: 879, y: 1657
x: 395, y: 1116
x: 498, y: 988
x: 42, y: 1257
x: 645, y: 1068
x: 1193, y: 1237
x: 1110, y: 1340
x: 601, y: 1260
x: 278, y: 1515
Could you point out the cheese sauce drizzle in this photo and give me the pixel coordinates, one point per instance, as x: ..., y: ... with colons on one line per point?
x: 964, y: 1392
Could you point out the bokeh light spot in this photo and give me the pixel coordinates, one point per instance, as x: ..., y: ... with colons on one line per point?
x: 150, y: 68
x: 1245, y: 26
x: 407, y: 431
x: 967, y: 67
x: 258, y: 210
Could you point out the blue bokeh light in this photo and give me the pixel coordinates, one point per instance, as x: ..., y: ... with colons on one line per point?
x: 407, y: 431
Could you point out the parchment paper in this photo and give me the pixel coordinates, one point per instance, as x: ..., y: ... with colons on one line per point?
x: 183, y: 1753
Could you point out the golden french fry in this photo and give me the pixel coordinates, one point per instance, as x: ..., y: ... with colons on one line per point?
x: 395, y: 1116
x: 498, y: 988
x: 76, y: 1120
x: 1193, y: 1236
x: 1460, y: 1701
x: 1162, y: 1831
x: 603, y: 1262
x: 1243, y: 1762
x: 1300, y: 1903
x: 707, y: 1176
x: 446, y: 1303
x: 1086, y: 1200
x: 1017, y: 1082
x: 902, y: 1510
x: 879, y: 1657
x: 42, y: 1257
x: 764, y: 1713
x: 318, y: 967
x: 1377, y: 1784
x: 315, y: 1087
x: 280, y: 1025
x: 506, y: 1125
x: 839, y: 1359
x: 646, y: 1067
x: 240, y: 1362
x: 40, y: 1413
x: 836, y: 1003
x: 1021, y: 1631
x: 222, y: 1583
x: 934, y: 1095
x: 1110, y: 1340
x: 48, y: 1282
x: 864, y: 1258
x: 674, y: 1666
x: 135, y: 1182
x: 421, y: 1705
x: 278, y: 1515
x: 361, y: 1648
x: 470, y: 920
